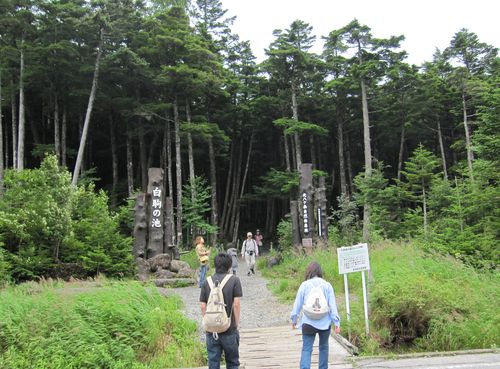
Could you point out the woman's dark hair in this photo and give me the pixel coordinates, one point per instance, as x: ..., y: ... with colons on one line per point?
x: 223, y: 262
x: 313, y: 270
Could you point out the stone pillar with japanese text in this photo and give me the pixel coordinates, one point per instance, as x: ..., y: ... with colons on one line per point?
x: 156, y: 199
x: 306, y: 207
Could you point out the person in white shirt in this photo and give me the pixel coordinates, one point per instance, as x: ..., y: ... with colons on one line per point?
x: 249, y: 251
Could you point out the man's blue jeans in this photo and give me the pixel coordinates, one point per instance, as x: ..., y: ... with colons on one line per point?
x: 203, y: 274
x: 307, y: 346
x: 228, y: 342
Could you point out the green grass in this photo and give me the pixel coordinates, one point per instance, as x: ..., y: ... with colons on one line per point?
x: 108, y: 325
x: 418, y: 301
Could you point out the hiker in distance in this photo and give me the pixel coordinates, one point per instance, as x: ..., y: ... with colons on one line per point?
x: 316, y: 299
x: 249, y: 251
x: 203, y: 258
x: 234, y: 257
x: 220, y: 308
x: 258, y: 238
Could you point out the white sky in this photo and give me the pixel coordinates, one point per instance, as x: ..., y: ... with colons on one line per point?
x: 426, y: 24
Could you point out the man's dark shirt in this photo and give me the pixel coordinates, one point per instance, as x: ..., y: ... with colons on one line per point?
x: 231, y: 290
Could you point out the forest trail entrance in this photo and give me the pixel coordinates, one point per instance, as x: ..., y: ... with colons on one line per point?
x: 267, y: 340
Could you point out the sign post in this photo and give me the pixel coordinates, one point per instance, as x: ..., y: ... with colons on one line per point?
x: 355, y: 259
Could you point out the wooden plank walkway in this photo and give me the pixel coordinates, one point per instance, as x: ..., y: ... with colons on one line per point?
x: 280, y: 347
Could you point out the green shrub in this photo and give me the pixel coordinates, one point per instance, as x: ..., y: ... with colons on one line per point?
x: 46, y: 223
x: 285, y: 235
x: 115, y: 326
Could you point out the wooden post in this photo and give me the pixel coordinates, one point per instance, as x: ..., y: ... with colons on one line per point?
x: 140, y: 226
x: 156, y: 198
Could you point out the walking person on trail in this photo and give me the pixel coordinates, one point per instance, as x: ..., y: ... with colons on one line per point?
x: 234, y: 257
x: 220, y: 307
x: 249, y: 251
x: 258, y: 238
x: 316, y: 299
x: 203, y: 257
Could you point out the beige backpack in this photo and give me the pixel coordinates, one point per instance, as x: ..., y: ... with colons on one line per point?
x: 215, y: 319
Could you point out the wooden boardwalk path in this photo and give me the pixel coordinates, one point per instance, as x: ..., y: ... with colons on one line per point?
x: 280, y: 347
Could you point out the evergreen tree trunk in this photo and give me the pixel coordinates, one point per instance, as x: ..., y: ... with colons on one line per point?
x: 234, y: 198
x: 142, y: 159
x: 57, y: 132
x: 190, y: 151
x: 214, y: 215
x: 169, y: 160
x: 349, y: 165
x: 114, y: 159
x: 313, y: 151
x: 163, y: 160
x: 340, y: 142
x: 294, y: 151
x: 22, y: 123
x: 13, y: 104
x: 468, y: 143
x: 287, y: 152
x: 368, y: 157
x: 225, y: 204
x: 441, y: 147
x: 298, y: 148
x: 64, y: 132
x: 93, y: 91
x: 178, y: 172
x: 401, y: 151
x: 152, y: 150
x: 130, y: 165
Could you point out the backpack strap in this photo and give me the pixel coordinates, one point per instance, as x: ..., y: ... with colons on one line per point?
x: 224, y: 281
x: 210, y: 282
x: 222, y: 284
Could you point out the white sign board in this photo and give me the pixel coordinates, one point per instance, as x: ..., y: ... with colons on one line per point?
x: 353, y: 258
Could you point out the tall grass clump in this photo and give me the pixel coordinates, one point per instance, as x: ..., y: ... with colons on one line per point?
x: 418, y: 301
x: 116, y: 326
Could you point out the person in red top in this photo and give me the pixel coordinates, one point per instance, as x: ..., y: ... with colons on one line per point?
x: 258, y: 238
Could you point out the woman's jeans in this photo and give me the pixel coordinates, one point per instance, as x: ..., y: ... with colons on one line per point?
x: 307, y: 346
x: 228, y: 342
x: 203, y: 274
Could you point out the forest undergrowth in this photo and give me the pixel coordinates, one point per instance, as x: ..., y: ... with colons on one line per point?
x: 105, y: 324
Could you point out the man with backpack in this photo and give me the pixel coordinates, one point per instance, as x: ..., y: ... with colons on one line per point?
x: 220, y: 308
x: 250, y: 250
x: 316, y: 299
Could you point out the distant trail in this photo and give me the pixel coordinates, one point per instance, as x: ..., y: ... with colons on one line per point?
x: 259, y: 308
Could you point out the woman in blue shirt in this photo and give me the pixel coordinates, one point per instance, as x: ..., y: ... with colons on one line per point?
x: 311, y: 326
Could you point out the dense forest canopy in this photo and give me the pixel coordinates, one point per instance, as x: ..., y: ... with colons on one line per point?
x: 112, y: 88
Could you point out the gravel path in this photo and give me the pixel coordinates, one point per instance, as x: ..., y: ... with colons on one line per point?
x: 259, y: 308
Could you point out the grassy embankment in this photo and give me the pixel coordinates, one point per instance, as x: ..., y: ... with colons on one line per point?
x: 109, y: 325
x: 418, y: 302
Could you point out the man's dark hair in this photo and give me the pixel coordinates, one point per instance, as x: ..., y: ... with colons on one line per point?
x: 313, y: 270
x: 223, y: 263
